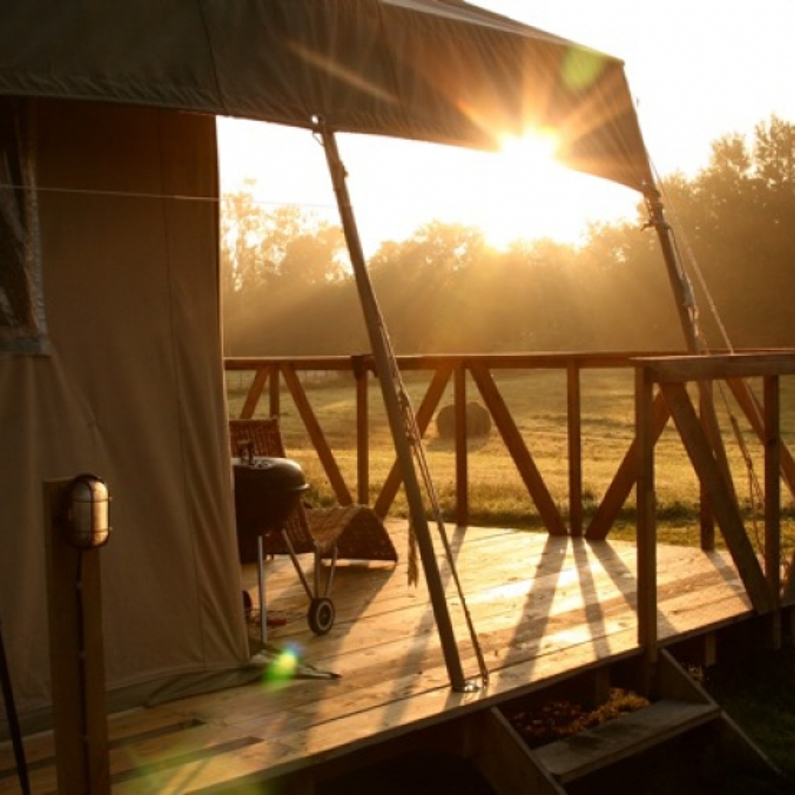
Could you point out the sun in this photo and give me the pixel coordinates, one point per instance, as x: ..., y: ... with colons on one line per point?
x: 524, y: 191
x: 520, y: 192
x: 534, y: 152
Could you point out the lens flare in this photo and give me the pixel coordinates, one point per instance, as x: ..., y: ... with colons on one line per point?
x: 582, y: 68
x: 283, y: 666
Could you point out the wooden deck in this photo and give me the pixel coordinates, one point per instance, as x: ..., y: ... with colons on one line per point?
x: 543, y: 606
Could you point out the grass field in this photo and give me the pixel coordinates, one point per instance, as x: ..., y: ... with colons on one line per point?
x: 537, y: 401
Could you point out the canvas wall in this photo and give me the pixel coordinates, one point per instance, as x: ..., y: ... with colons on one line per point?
x: 131, y: 390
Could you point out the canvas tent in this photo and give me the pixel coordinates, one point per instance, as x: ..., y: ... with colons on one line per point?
x: 111, y: 359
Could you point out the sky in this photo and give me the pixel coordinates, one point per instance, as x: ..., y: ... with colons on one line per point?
x: 697, y: 69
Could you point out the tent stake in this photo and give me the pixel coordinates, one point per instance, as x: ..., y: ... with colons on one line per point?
x: 387, y: 372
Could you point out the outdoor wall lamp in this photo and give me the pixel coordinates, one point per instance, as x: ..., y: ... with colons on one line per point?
x: 86, y: 512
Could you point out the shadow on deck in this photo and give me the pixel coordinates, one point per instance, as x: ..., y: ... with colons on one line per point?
x: 550, y: 612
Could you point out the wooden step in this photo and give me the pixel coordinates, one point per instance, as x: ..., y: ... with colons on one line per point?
x: 629, y: 734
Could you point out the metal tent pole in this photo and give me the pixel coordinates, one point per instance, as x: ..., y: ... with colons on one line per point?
x: 684, y: 302
x: 386, y: 376
x: 685, y: 305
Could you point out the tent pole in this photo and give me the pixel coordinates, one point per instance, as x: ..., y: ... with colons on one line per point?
x: 684, y: 302
x: 387, y: 377
x: 685, y: 305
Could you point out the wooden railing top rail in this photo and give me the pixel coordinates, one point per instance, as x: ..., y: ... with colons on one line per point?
x: 673, y: 369
x: 518, y: 361
x: 667, y: 365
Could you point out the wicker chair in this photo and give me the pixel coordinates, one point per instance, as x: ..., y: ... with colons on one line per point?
x: 352, y: 532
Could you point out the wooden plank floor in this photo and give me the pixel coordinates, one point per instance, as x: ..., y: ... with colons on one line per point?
x: 541, y: 605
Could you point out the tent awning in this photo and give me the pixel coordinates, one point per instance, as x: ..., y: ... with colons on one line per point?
x: 433, y: 70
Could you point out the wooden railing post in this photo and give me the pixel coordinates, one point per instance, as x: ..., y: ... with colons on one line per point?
x: 773, y: 500
x: 362, y: 430
x: 772, y: 486
x: 574, y: 420
x: 706, y: 516
x: 647, y: 518
x: 461, y: 444
x: 77, y: 661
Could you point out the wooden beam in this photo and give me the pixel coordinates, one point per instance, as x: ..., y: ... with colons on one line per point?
x: 504, y: 759
x: 461, y: 445
x: 518, y: 450
x: 362, y: 375
x: 315, y: 432
x: 701, y: 367
x: 77, y: 660
x: 709, y: 422
x: 625, y: 477
x: 574, y: 421
x: 720, y: 495
x: 647, y: 517
x: 254, y: 393
x: 754, y: 412
x: 706, y: 517
x: 424, y: 414
x: 772, y: 486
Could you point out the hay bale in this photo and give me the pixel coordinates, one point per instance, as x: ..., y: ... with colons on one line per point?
x: 478, y: 420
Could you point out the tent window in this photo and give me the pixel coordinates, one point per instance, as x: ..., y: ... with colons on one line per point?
x: 22, y: 326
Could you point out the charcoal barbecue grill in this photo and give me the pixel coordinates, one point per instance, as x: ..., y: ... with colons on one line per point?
x: 267, y: 491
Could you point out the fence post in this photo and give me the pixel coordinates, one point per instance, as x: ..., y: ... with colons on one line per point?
x: 647, y: 519
x: 574, y: 419
x: 362, y: 430
x: 706, y: 516
x: 461, y: 444
x: 773, y: 498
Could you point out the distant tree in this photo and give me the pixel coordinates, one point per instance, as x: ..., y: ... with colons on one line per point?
x: 736, y: 220
x: 419, y: 284
x: 774, y: 154
x: 269, y: 259
x: 287, y: 290
x: 241, y: 266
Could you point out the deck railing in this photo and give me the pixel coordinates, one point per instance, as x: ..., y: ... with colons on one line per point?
x: 669, y: 377
x: 271, y: 374
x: 663, y: 387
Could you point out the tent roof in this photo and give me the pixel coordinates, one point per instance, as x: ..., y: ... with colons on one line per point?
x: 434, y: 70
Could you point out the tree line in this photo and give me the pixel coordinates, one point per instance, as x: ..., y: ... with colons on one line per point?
x: 287, y: 290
